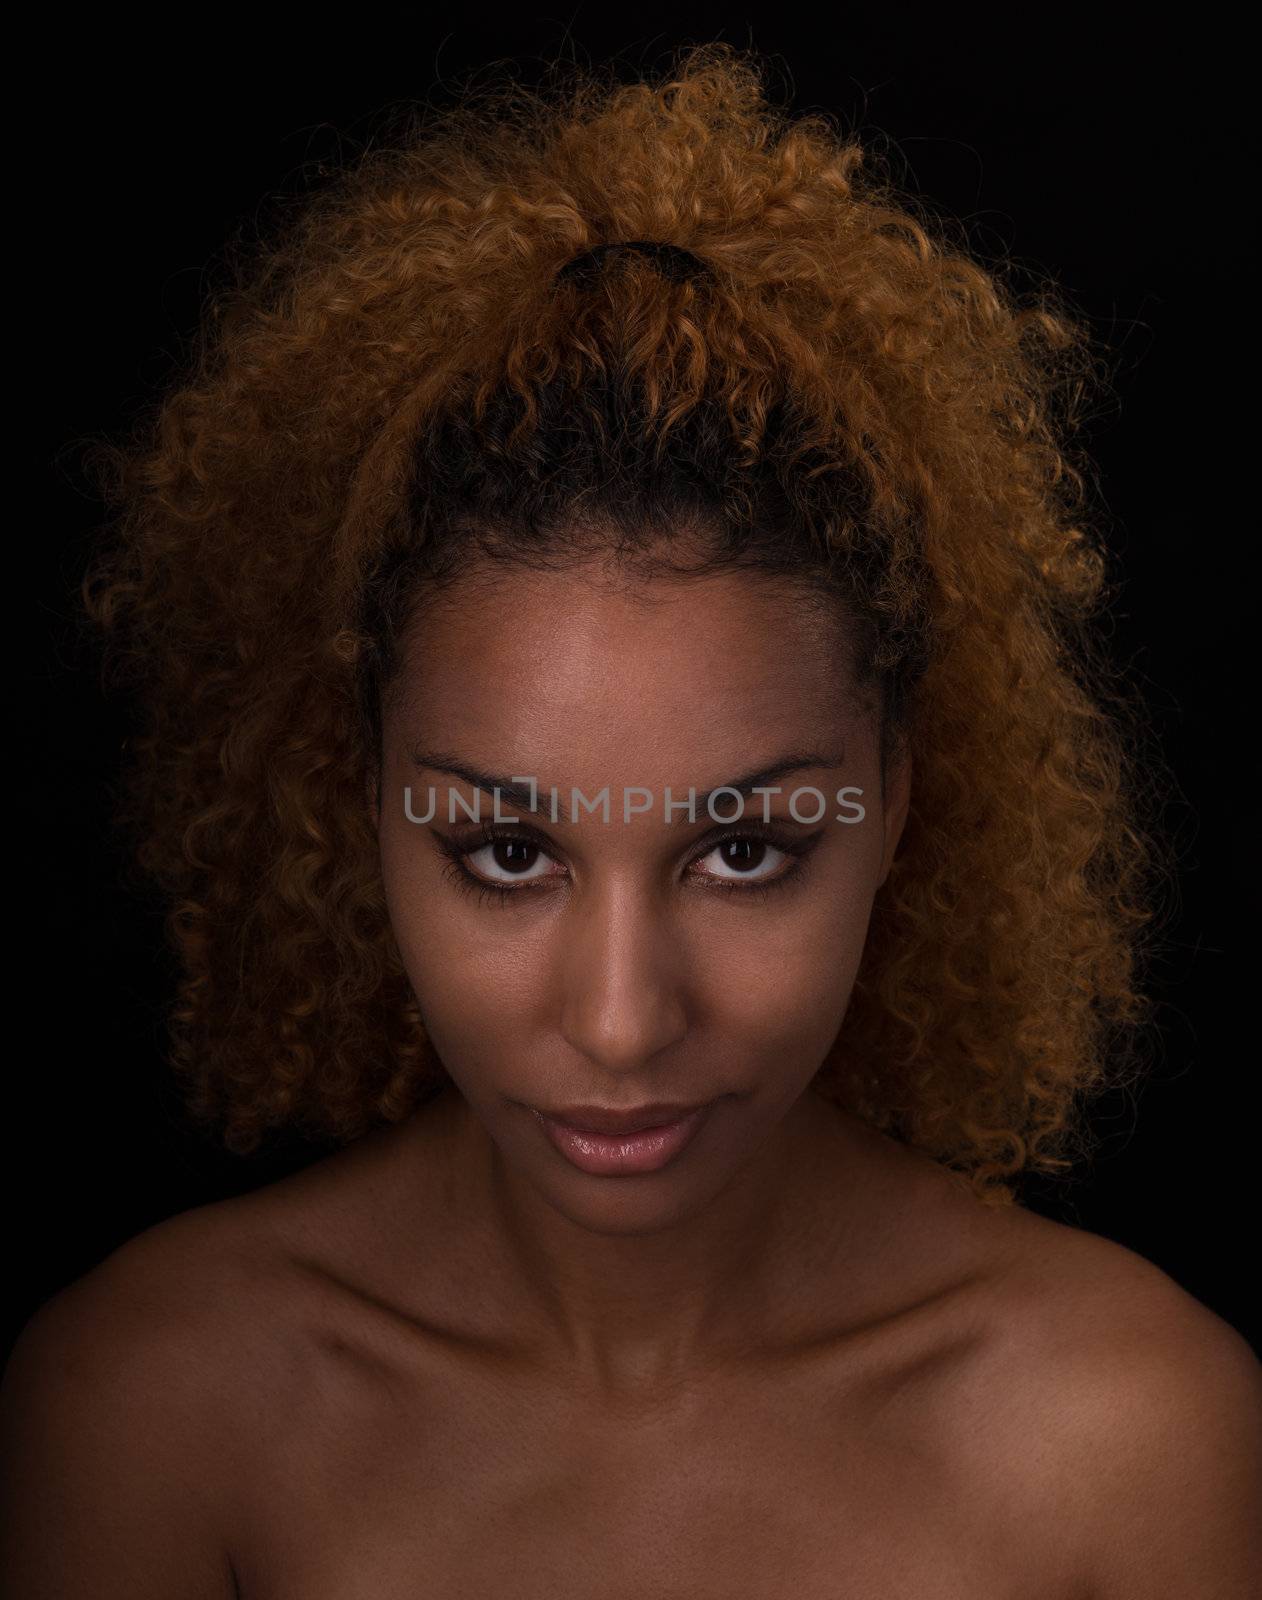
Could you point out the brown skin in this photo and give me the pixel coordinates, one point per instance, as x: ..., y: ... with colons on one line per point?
x: 800, y: 1360
x: 627, y: 973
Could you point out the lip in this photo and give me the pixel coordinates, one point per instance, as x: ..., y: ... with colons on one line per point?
x: 628, y: 1142
x: 598, y: 1119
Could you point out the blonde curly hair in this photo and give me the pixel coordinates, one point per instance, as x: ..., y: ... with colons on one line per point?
x: 394, y: 383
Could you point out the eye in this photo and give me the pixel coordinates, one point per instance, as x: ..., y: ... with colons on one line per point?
x: 509, y: 860
x: 744, y: 857
x: 505, y: 864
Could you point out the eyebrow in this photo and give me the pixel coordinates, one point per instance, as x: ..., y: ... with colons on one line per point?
x: 519, y: 794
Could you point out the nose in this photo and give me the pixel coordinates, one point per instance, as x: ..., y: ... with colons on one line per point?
x: 623, y: 981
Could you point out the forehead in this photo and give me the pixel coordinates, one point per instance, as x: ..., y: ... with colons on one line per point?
x: 582, y: 664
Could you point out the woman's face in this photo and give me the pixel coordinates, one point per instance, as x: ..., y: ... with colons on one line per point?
x: 647, y: 959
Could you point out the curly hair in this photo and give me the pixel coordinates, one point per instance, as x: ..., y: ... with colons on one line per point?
x: 392, y: 383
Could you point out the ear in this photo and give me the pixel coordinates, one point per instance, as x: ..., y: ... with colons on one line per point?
x: 896, y: 799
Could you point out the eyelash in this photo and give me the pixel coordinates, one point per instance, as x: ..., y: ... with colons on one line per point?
x: 499, y: 894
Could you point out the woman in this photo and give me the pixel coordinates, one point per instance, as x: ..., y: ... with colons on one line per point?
x: 628, y: 757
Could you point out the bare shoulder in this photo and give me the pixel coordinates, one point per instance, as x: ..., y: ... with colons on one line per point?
x: 168, y: 1274
x: 1105, y: 1418
x: 1143, y: 1408
x: 1099, y: 1314
x: 118, y: 1429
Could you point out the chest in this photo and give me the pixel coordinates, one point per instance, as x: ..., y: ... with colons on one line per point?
x: 377, y: 1490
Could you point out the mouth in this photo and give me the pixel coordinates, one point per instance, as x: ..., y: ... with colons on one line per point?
x: 621, y: 1144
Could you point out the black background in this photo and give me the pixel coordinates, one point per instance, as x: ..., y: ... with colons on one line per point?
x: 1105, y: 152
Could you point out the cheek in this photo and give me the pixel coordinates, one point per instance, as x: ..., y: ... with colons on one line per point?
x: 474, y: 969
x: 779, y: 985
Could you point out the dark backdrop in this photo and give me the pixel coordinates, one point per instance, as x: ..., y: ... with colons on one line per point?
x: 1096, y: 150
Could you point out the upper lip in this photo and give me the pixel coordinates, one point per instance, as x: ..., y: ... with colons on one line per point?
x: 599, y: 1119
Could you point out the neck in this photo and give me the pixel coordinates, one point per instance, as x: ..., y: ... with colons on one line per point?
x: 645, y: 1310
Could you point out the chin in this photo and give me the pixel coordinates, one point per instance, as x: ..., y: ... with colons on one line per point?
x: 628, y: 1207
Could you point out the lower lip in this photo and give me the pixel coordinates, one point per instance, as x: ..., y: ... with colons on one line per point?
x: 623, y: 1154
